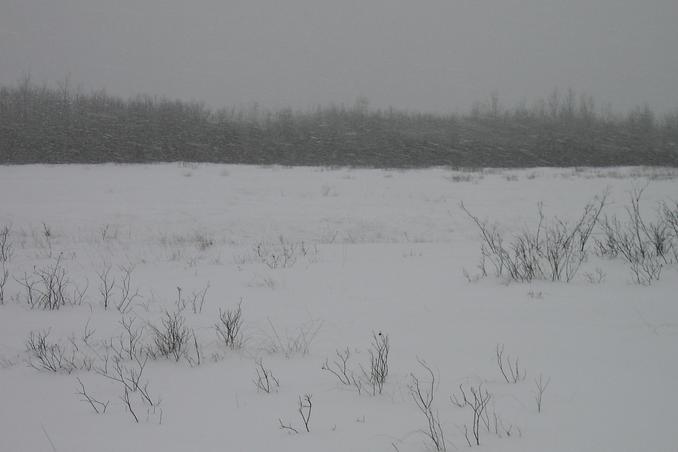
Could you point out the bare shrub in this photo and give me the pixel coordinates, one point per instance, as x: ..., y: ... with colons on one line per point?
x: 4, y: 277
x: 670, y: 218
x: 287, y: 427
x: 196, y: 300
x: 127, y: 293
x: 50, y: 288
x: 378, y: 371
x: 203, y: 242
x: 423, y: 396
x: 196, y: 347
x: 304, y: 410
x: 265, y: 381
x: 496, y: 425
x: 282, y: 253
x: 340, y: 368
x: 555, y: 250
x: 670, y: 214
x: 646, y: 246
x: 106, y: 285
x: 597, y: 276
x: 130, y: 341
x: 477, y: 403
x: 52, y: 356
x: 171, y: 338
x: 46, y: 239
x: 293, y: 343
x: 98, y: 406
x: 305, y: 407
x: 509, y: 368
x: 128, y: 404
x: 130, y: 376
x: 541, y: 385
x: 6, y: 249
x: 229, y: 327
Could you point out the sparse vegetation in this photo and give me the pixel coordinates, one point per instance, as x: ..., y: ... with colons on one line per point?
x: 555, y: 250
x: 541, y: 386
x: 423, y: 396
x: 378, y: 371
x: 510, y: 368
x: 646, y: 246
x: 50, y: 288
x: 229, y: 327
x: 6, y: 248
x: 109, y: 348
x: 477, y: 403
x: 293, y: 343
x: 53, y: 356
x: 171, y: 337
x: 265, y: 381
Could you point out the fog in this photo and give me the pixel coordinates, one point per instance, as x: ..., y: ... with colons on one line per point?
x: 427, y: 56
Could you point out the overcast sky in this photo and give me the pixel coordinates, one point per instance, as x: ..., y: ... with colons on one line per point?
x: 437, y: 55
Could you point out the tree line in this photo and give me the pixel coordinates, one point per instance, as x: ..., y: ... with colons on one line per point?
x: 60, y: 124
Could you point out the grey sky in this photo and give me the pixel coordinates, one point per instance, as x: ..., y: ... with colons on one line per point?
x: 423, y: 55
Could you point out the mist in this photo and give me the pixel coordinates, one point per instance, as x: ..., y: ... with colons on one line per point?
x: 437, y: 56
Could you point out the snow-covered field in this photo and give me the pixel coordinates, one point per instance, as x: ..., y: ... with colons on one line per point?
x: 368, y: 252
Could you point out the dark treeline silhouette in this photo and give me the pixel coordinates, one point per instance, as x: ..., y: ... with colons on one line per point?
x: 41, y: 124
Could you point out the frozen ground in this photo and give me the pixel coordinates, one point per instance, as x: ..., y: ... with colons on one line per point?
x: 383, y: 251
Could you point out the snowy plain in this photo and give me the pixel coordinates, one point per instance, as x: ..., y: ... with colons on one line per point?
x: 374, y: 251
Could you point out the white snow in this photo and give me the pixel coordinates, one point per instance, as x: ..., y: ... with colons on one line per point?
x: 385, y: 252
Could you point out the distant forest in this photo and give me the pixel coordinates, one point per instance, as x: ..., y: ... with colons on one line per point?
x: 42, y: 124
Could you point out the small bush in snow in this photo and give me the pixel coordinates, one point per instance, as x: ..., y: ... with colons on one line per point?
x: 304, y: 410
x: 171, y: 338
x: 555, y: 250
x: 54, y: 357
x: 265, y: 381
x: 296, y: 343
x: 50, y: 288
x: 98, y: 406
x: 282, y: 253
x: 5, y: 245
x: 378, y: 371
x: 229, y: 326
x: 4, y: 277
x: 476, y: 398
x: 510, y: 368
x: 646, y: 246
x: 423, y: 397
x: 541, y: 385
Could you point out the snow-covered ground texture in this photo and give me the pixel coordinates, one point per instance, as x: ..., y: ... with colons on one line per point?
x: 321, y: 261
